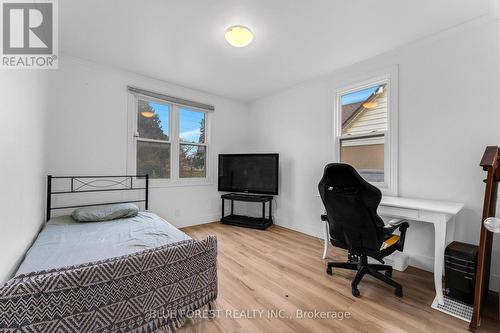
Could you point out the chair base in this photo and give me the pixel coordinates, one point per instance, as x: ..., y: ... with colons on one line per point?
x: 362, y: 267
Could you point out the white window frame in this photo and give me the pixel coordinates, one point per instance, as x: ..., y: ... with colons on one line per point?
x: 389, y: 77
x: 174, y: 141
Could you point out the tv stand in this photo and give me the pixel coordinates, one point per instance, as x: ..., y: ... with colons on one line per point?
x: 248, y: 221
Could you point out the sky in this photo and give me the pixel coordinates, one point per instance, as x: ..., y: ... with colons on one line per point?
x: 162, y: 110
x: 190, y: 124
x: 189, y: 121
x: 358, y: 96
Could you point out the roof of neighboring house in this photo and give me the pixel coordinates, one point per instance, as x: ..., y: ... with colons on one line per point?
x: 349, y: 110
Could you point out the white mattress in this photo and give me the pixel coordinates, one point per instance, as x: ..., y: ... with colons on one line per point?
x: 64, y: 242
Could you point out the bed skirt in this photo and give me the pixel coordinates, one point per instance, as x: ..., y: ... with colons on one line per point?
x: 150, y: 291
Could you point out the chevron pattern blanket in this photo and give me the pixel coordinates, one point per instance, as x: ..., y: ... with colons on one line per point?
x: 150, y: 291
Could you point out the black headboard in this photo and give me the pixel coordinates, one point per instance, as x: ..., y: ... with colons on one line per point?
x: 83, y: 184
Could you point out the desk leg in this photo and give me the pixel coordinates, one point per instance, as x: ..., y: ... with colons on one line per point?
x: 439, y: 247
x: 326, y: 239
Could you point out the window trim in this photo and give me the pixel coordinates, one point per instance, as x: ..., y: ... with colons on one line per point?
x: 390, y: 77
x: 178, y: 142
x: 174, y: 140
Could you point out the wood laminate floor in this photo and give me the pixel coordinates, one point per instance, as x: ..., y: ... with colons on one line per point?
x: 269, y: 280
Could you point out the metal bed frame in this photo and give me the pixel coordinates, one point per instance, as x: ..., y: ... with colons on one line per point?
x: 88, y: 184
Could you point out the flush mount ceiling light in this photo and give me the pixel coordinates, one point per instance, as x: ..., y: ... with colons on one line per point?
x: 238, y: 36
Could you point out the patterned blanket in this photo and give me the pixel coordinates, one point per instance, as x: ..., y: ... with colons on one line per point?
x: 150, y: 291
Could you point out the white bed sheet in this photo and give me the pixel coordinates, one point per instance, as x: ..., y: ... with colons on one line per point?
x: 64, y: 242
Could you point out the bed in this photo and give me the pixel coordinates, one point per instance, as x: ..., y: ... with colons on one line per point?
x: 134, y: 274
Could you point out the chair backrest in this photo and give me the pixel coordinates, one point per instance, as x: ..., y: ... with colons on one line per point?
x: 351, y: 204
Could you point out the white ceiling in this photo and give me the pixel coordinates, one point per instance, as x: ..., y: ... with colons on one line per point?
x: 182, y: 41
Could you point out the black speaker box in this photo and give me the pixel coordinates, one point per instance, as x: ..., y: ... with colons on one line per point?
x: 460, y: 271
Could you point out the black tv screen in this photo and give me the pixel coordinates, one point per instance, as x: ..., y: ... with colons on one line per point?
x: 250, y: 173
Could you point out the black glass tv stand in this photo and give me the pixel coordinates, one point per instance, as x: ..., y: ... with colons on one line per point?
x: 248, y: 221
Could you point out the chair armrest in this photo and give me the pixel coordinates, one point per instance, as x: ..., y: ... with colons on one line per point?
x: 393, y: 225
x: 400, y: 224
x: 402, y: 230
x: 394, y: 222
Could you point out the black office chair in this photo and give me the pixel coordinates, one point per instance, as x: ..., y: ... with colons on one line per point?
x: 351, y: 205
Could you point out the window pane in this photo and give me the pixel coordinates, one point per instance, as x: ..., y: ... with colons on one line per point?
x: 366, y: 155
x: 192, y: 126
x: 364, y: 111
x: 154, y: 159
x: 153, y: 120
x: 192, y: 161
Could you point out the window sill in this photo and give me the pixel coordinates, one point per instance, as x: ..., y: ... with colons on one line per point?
x: 165, y: 183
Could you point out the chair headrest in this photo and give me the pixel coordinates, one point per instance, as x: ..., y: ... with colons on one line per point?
x: 342, y: 178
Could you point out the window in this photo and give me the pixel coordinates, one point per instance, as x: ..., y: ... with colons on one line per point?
x: 169, y: 141
x: 365, y: 128
x: 193, y: 150
x: 153, y: 139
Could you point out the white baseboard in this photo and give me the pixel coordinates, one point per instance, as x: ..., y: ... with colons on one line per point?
x: 422, y: 262
x: 425, y: 263
x: 416, y: 260
x: 313, y: 233
x: 192, y: 221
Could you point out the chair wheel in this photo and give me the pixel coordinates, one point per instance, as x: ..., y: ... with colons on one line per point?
x: 329, y: 270
x: 355, y: 292
x: 388, y: 273
x: 399, y: 292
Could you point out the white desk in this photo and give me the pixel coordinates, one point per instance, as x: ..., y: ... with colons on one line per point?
x: 440, y: 213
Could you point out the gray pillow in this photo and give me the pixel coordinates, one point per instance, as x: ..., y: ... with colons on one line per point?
x: 104, y: 213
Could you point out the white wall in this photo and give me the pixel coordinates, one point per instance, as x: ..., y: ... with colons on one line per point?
x: 23, y: 105
x: 448, y: 88
x: 87, y: 133
x: 448, y: 113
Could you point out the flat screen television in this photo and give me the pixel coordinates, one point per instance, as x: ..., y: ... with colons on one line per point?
x: 249, y: 173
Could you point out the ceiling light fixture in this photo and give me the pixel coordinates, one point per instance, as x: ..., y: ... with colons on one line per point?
x: 238, y: 36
